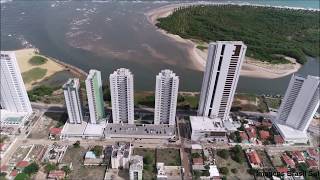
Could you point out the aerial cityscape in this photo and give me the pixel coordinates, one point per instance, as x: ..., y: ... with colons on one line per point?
x: 139, y: 90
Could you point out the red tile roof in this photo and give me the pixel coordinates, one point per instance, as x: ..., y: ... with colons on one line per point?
x: 298, y: 155
x: 266, y: 123
x: 197, y: 161
x: 278, y: 139
x: 3, y: 168
x: 22, y: 164
x: 288, y: 160
x: 312, y: 163
x: 312, y: 152
x: 251, y: 131
x: 254, y: 157
x: 56, y: 174
x: 282, y: 169
x: 55, y: 131
x: 264, y: 134
x: 243, y: 135
x: 14, y: 173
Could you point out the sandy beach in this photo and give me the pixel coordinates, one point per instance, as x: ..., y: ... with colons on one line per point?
x: 250, y: 68
x: 24, y: 55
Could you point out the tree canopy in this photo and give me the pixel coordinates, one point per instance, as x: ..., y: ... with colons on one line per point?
x: 268, y: 32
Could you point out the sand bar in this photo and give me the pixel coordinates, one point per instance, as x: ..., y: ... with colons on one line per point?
x: 250, y: 68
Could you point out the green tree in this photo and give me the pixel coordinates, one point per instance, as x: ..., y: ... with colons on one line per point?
x: 224, y: 170
x: 224, y: 153
x: 76, y: 144
x: 22, y: 176
x: 147, y: 159
x: 49, y: 167
x: 66, y: 169
x: 97, y: 150
x: 195, y: 155
x: 31, y: 169
x: 234, y: 171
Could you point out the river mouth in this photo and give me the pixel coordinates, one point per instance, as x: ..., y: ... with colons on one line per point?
x: 107, y: 36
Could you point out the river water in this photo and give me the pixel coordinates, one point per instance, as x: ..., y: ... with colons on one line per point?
x: 110, y: 35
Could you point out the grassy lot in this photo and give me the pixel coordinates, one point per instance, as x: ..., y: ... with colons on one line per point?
x: 33, y: 74
x: 170, y: 157
x: 149, y: 162
x: 273, y: 102
x: 231, y: 164
x: 249, y: 102
x: 276, y: 160
x: 38, y: 60
x: 81, y: 172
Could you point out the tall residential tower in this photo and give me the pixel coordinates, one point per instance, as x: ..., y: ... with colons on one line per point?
x: 73, y: 101
x: 167, y: 84
x: 121, y: 88
x: 300, y: 102
x: 95, y: 96
x: 220, y: 78
x: 14, y: 96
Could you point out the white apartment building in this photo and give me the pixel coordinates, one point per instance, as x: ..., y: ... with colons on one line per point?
x: 95, y: 96
x: 136, y: 167
x: 73, y: 101
x: 300, y: 102
x: 220, y: 78
x: 14, y: 97
x: 166, y: 94
x: 121, y: 88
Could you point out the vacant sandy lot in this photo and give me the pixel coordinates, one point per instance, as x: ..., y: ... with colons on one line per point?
x: 24, y: 55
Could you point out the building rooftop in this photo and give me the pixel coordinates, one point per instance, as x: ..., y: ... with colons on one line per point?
x: 55, y: 131
x: 22, y: 164
x: 287, y: 160
x: 74, y: 129
x: 312, y: 163
x: 136, y: 163
x: 201, y: 123
x: 264, y: 134
x: 121, y: 149
x: 145, y: 130
x: 214, y: 172
x: 90, y: 155
x: 298, y: 155
x: 289, y: 133
x: 253, y: 157
x: 278, y: 139
x: 94, y: 129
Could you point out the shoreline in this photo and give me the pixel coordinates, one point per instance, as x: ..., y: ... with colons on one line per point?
x: 52, y: 66
x: 250, y: 68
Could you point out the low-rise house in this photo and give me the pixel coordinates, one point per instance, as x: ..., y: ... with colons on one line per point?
x: 312, y: 164
x: 90, y: 159
x: 253, y: 158
x: 54, y: 153
x: 278, y: 140
x: 22, y: 164
x: 56, y: 175
x: 298, y: 156
x: 14, y: 173
x: 197, y: 161
x: 54, y: 133
x: 161, y: 173
x: 282, y: 170
x: 121, y: 153
x: 252, y: 133
x: 264, y: 135
x: 288, y: 161
x: 313, y: 153
x: 244, y: 137
x: 136, y: 167
x: 214, y: 172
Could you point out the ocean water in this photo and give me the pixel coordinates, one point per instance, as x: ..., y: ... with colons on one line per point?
x: 110, y: 35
